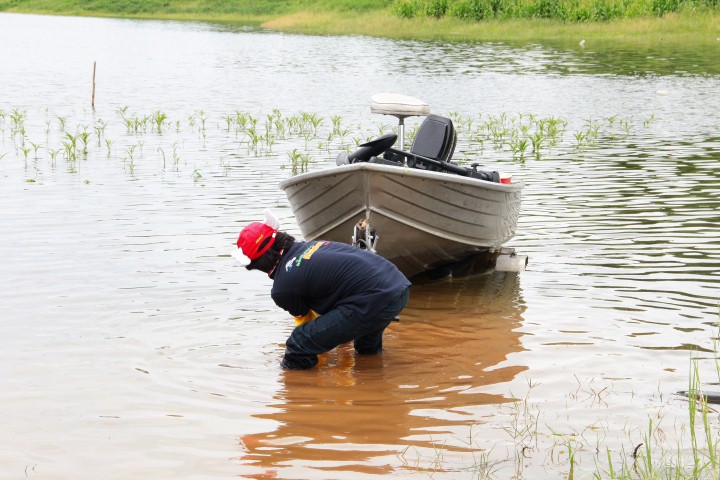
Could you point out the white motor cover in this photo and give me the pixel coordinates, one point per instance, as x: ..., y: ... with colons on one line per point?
x: 398, y: 105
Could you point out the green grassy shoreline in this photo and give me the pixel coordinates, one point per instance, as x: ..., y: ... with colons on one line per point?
x: 376, y: 18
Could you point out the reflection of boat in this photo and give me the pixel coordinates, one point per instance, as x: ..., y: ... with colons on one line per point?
x: 416, y: 208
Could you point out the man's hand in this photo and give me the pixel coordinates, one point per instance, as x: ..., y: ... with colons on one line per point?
x: 308, y: 317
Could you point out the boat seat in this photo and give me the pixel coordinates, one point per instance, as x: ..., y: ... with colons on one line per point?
x: 400, y: 106
x: 397, y: 105
x: 432, y: 149
x: 435, y: 139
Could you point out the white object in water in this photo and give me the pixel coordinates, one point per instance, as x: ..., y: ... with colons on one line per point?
x: 511, y: 262
x: 661, y: 92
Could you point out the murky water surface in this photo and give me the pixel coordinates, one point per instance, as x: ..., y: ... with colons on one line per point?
x: 133, y: 347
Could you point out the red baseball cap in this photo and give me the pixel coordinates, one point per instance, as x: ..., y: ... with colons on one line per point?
x: 256, y: 239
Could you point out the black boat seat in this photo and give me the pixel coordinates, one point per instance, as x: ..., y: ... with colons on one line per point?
x: 435, y: 139
x: 431, y: 150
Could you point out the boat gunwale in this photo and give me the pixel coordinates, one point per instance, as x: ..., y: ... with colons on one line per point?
x: 401, y: 171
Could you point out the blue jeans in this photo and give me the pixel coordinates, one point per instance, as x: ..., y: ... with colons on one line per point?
x: 334, y: 328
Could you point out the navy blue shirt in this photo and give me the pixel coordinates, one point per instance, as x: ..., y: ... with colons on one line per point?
x: 323, y: 275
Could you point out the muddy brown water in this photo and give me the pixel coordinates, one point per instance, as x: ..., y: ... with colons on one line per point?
x: 134, y: 347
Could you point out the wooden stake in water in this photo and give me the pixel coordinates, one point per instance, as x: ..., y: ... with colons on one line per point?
x: 93, y: 91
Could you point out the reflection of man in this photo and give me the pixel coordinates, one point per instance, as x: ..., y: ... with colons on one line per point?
x: 355, y: 292
x: 391, y: 415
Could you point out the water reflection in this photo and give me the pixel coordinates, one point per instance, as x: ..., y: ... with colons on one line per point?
x: 352, y: 412
x: 431, y: 58
x: 644, y: 223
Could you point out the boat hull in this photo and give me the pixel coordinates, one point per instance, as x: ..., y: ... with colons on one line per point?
x: 422, y: 219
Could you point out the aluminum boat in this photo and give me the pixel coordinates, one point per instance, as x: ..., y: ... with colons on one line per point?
x: 416, y: 208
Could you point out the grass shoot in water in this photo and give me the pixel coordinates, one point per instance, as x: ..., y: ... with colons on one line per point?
x: 501, y: 138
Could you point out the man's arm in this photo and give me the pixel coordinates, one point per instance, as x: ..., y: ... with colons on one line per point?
x: 294, y: 304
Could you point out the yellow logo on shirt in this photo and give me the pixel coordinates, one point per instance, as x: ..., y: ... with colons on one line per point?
x: 311, y: 250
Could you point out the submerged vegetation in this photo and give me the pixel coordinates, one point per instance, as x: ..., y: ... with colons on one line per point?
x: 296, y: 141
x: 646, y: 21
x: 661, y: 448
